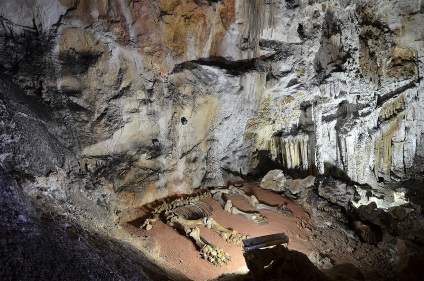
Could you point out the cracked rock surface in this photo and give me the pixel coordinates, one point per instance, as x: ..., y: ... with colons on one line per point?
x: 150, y: 98
x: 108, y: 105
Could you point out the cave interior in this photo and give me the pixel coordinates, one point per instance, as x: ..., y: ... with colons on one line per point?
x: 146, y: 139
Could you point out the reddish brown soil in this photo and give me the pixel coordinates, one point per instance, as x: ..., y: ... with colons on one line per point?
x: 180, y: 251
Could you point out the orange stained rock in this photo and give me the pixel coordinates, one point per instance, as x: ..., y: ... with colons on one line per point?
x: 227, y: 13
x: 186, y: 19
x: 160, y: 30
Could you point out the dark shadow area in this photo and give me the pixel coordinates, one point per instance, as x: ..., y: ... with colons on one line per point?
x: 332, y: 171
x: 298, y: 173
x: 77, y: 63
x: 414, y: 192
x: 237, y: 67
x: 235, y: 277
x: 50, y: 246
x: 232, y: 67
x: 381, y: 99
x: 265, y: 164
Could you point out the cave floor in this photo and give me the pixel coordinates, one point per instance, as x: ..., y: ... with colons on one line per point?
x: 179, y: 252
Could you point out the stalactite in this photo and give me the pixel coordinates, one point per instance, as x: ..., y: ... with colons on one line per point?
x: 383, y: 146
x: 392, y: 107
x: 304, y: 150
x: 317, y: 142
x: 334, y: 45
x: 295, y: 152
x: 273, y: 148
x: 256, y: 20
x: 288, y: 162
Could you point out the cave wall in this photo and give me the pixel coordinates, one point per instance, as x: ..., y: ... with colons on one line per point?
x: 137, y: 100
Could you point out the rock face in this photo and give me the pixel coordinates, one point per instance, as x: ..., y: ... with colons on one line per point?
x: 337, y: 192
x: 41, y: 248
x: 159, y: 97
x: 136, y: 100
x: 108, y: 105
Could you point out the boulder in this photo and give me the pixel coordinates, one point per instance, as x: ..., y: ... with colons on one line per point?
x: 337, y: 191
x: 296, y: 187
x: 320, y: 261
x: 346, y: 271
x: 399, y: 212
x: 274, y: 180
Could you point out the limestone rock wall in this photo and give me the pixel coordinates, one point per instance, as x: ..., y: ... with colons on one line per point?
x: 353, y: 108
x: 142, y: 99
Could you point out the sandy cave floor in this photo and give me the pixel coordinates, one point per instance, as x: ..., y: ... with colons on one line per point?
x: 180, y: 252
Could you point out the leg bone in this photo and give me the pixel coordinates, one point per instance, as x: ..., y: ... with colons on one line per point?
x: 210, y: 252
x: 218, y: 197
x: 256, y: 217
x: 254, y: 202
x: 231, y: 236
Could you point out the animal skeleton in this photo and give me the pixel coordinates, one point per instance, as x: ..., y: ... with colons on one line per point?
x: 186, y: 213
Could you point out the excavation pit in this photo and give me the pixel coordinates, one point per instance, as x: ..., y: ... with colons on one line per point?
x: 178, y: 251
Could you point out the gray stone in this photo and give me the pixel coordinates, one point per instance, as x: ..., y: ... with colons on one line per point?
x: 337, y: 192
x: 109, y: 105
x: 296, y: 187
x: 274, y: 180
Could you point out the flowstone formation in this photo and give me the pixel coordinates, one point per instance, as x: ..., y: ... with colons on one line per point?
x: 143, y: 94
x: 108, y: 105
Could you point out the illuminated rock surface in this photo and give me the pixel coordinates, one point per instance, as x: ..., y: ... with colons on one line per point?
x: 108, y: 105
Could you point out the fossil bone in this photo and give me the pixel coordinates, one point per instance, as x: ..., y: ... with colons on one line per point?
x: 256, y: 217
x: 186, y: 213
x: 253, y: 202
